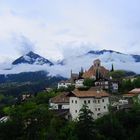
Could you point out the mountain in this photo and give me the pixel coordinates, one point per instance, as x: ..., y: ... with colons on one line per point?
x: 111, y: 55
x: 121, y: 61
x: 32, y: 62
x: 32, y: 58
x: 27, y: 82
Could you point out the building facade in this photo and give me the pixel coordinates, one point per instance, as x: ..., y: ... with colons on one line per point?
x: 63, y: 84
x: 97, y: 102
x: 96, y: 71
x: 60, y: 101
x: 79, y: 83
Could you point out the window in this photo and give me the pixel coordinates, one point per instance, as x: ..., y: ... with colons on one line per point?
x: 98, y: 109
x: 85, y: 102
x: 95, y: 101
x: 98, y: 101
x: 95, y: 109
x: 89, y: 101
x: 59, y: 106
x: 75, y: 101
x: 98, y: 114
x: 75, y: 111
x: 104, y: 107
x: 72, y: 101
x: 102, y: 100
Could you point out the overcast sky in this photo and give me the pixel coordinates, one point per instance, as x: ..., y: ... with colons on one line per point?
x: 57, y: 28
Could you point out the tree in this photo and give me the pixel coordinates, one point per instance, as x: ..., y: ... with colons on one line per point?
x: 112, y: 69
x: 88, y: 82
x: 136, y: 82
x: 98, y: 74
x: 85, y: 124
x: 118, y: 74
x: 126, y: 85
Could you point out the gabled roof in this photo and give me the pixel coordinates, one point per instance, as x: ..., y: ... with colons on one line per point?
x: 66, y: 81
x: 129, y: 95
x: 135, y: 91
x: 61, y: 98
x: 132, y: 93
x: 88, y: 94
x: 92, y: 71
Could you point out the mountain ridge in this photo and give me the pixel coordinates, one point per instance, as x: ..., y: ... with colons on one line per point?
x: 30, y: 63
x: 32, y: 58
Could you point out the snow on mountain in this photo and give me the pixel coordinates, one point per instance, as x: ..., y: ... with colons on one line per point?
x: 107, y: 57
x: 111, y: 55
x: 33, y: 62
x: 32, y: 58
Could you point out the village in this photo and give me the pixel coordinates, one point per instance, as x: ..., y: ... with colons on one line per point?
x: 93, y: 104
x: 99, y: 97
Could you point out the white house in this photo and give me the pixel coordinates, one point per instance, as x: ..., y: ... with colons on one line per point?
x: 64, y: 84
x: 60, y: 101
x: 4, y: 119
x: 133, y: 95
x: 79, y: 83
x: 97, y: 102
x: 110, y: 85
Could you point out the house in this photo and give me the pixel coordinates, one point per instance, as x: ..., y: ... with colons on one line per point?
x: 96, y: 71
x: 132, y: 95
x: 108, y: 84
x: 121, y: 105
x: 26, y: 96
x: 103, y: 84
x: 79, y: 83
x: 60, y: 101
x: 4, y: 119
x: 64, y: 84
x: 113, y: 86
x: 97, y: 102
x: 63, y: 113
x: 131, y: 78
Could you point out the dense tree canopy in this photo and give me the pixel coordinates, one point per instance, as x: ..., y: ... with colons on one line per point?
x: 32, y: 120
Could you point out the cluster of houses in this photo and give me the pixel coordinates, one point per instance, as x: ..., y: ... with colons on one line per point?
x: 96, y: 72
x: 97, y: 98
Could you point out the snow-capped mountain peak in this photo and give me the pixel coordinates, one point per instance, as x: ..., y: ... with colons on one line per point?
x: 113, y: 56
x: 101, y: 52
x: 32, y: 58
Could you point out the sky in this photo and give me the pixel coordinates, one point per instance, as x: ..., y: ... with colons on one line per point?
x: 57, y: 29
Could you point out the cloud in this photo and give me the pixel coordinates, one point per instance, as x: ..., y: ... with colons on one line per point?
x: 57, y: 29
x: 24, y: 45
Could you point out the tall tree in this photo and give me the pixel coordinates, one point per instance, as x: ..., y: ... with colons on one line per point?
x: 85, y: 124
x: 112, y: 68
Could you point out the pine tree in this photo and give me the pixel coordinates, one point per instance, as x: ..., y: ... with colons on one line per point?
x: 85, y: 124
x: 112, y: 69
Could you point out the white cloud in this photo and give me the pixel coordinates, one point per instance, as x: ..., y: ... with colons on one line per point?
x: 59, y: 28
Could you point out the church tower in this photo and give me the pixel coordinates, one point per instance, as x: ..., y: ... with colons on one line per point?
x: 97, y: 63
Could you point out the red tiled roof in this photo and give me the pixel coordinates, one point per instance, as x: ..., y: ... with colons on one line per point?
x: 61, y: 98
x: 128, y: 95
x: 135, y: 91
x: 90, y: 93
x: 92, y: 71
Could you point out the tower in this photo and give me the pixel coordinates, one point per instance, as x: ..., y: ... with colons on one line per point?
x: 97, y: 63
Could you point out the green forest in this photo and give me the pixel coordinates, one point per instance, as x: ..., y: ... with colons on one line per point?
x: 32, y: 120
